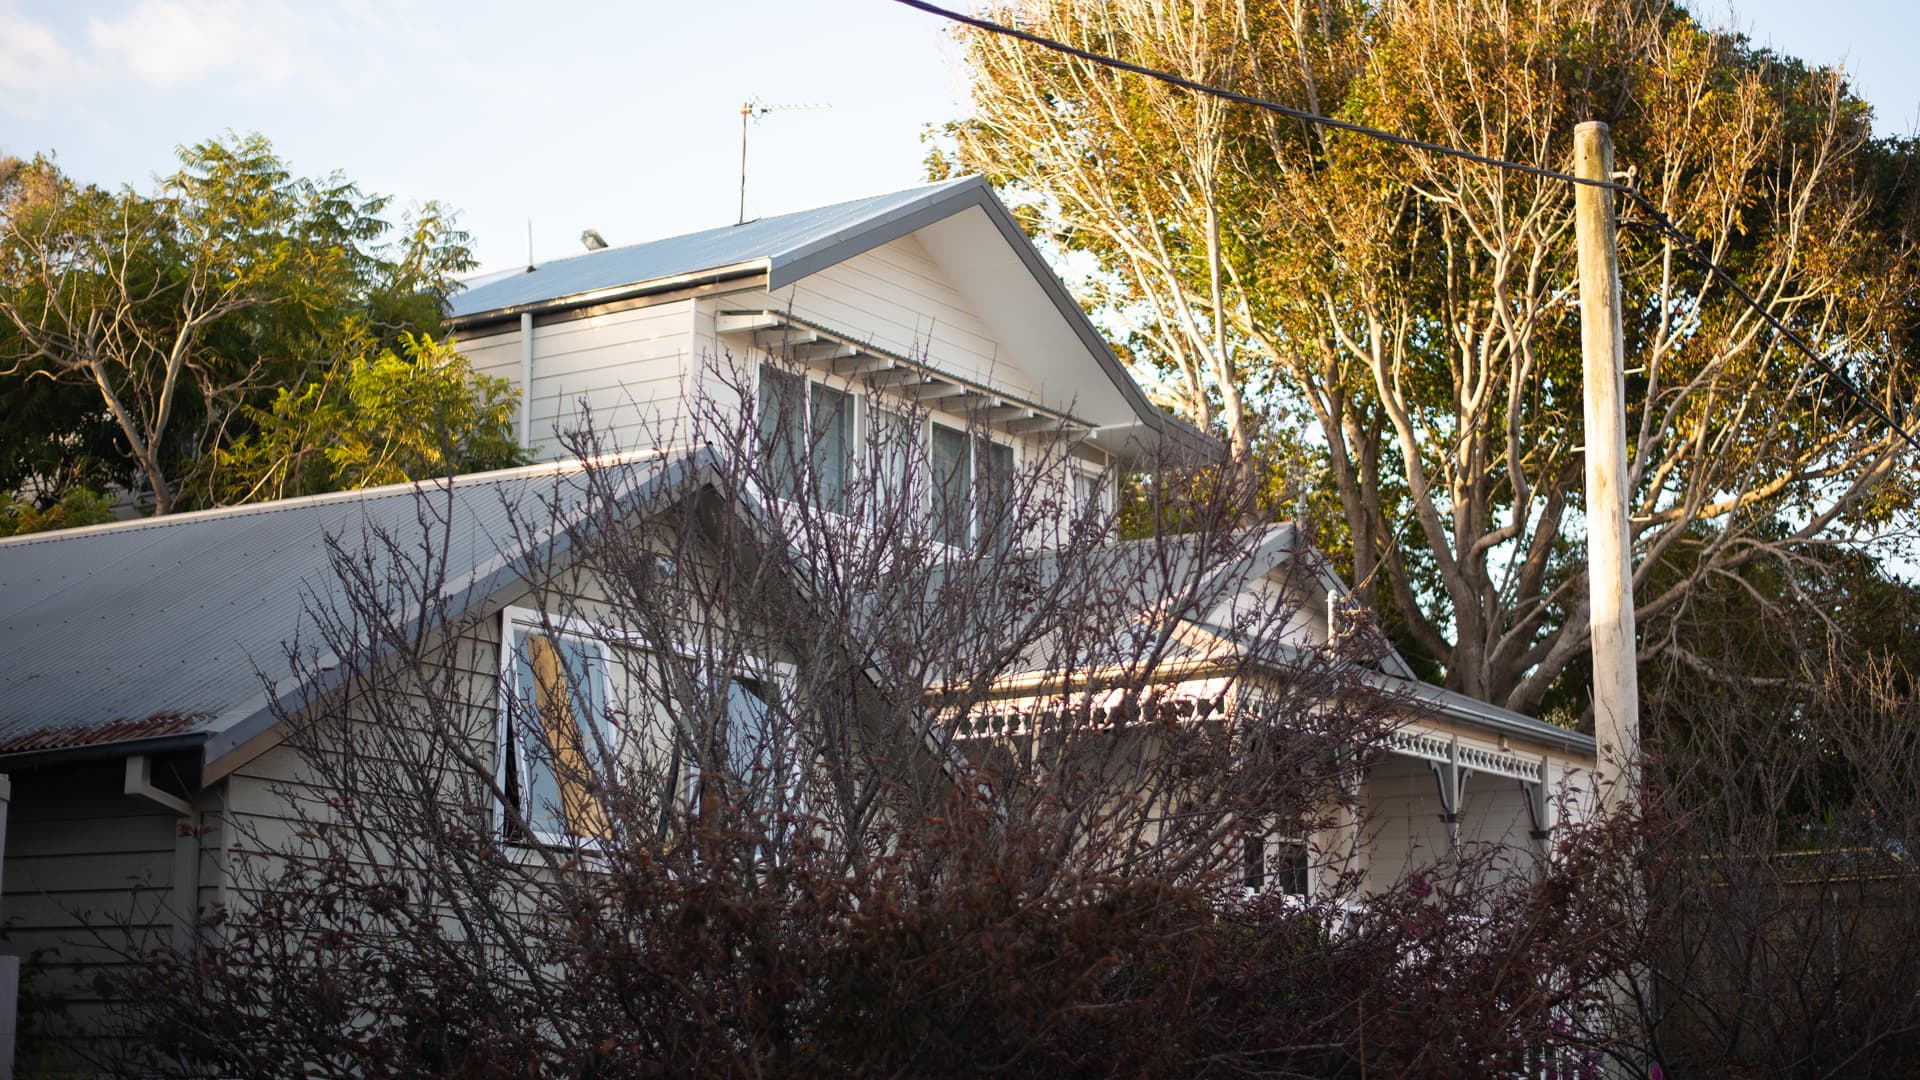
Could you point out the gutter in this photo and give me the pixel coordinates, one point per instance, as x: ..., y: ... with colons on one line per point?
x: 139, y: 785
x: 1490, y: 717
x: 36, y: 759
x: 733, y: 272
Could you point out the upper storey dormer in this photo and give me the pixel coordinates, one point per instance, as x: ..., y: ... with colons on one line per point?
x: 931, y: 296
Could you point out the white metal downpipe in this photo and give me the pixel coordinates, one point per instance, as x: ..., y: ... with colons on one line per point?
x: 526, y: 380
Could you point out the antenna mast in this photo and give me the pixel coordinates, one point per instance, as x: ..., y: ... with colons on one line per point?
x: 753, y: 109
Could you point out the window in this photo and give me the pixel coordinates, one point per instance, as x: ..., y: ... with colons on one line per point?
x: 1089, y: 494
x: 1280, y: 866
x: 555, y: 738
x: 972, y: 483
x: 754, y: 765
x: 893, y: 443
x: 583, y: 706
x: 806, y: 433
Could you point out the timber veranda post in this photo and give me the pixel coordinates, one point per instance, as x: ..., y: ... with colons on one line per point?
x: 1616, y: 689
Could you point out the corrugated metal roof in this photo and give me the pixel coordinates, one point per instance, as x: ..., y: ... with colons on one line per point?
x: 165, y: 627
x: 1170, y: 564
x: 775, y: 239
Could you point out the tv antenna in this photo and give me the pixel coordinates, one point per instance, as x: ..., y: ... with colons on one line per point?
x: 754, y: 109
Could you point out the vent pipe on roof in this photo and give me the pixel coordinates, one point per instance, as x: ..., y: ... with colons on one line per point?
x: 592, y: 240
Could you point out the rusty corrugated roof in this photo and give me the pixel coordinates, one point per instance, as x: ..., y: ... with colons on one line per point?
x: 158, y: 726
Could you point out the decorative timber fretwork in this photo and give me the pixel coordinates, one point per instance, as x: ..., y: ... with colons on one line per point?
x: 1453, y: 763
x: 1452, y: 778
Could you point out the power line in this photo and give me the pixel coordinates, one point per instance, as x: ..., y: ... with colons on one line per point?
x: 1316, y: 119
x: 1693, y: 248
x: 1664, y: 224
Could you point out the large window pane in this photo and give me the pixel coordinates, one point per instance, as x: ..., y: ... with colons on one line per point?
x: 782, y: 417
x: 1290, y: 868
x: 806, y: 433
x: 952, y: 486
x: 994, y: 493
x: 751, y: 765
x: 750, y: 741
x: 832, y: 438
x: 556, y: 742
x: 891, y: 445
x: 1089, y: 495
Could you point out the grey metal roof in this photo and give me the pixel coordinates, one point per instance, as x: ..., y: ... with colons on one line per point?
x: 163, y: 629
x: 780, y: 241
x: 1488, y: 717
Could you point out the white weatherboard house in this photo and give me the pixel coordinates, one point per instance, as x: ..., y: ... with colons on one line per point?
x: 143, y: 658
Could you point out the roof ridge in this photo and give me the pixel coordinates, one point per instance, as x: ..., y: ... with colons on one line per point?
x: 493, y: 276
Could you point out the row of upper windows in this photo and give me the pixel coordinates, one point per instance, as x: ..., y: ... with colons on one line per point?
x: 808, y: 442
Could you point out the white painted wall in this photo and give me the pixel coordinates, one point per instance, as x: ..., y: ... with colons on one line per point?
x: 629, y: 368
x: 1405, y: 829
x: 902, y: 301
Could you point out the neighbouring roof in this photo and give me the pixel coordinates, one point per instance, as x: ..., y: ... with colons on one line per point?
x: 169, y: 631
x: 1147, y: 571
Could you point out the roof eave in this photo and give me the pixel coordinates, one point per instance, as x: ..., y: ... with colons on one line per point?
x: 612, y: 294
x: 941, y: 203
x: 66, y: 755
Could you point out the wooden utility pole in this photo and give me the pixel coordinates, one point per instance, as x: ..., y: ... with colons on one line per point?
x: 1616, y: 683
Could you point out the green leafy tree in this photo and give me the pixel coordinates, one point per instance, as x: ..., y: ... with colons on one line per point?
x: 407, y: 414
x: 170, y: 318
x: 1403, y: 324
x: 76, y: 508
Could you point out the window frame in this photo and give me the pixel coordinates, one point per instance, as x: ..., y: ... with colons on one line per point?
x: 604, y: 640
x: 976, y: 478
x: 895, y: 467
x: 751, y: 670
x: 862, y: 409
x: 1090, y: 489
x: 1272, y: 875
x: 806, y: 479
x: 516, y: 621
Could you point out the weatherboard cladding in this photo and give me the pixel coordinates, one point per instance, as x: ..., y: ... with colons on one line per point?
x: 165, y: 628
x: 777, y: 240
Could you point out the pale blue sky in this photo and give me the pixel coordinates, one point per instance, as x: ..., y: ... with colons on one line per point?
x: 619, y: 116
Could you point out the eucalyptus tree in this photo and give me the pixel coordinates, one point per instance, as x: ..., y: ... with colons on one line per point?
x: 1405, y: 320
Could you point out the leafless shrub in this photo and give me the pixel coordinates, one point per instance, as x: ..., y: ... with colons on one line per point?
x: 796, y: 768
